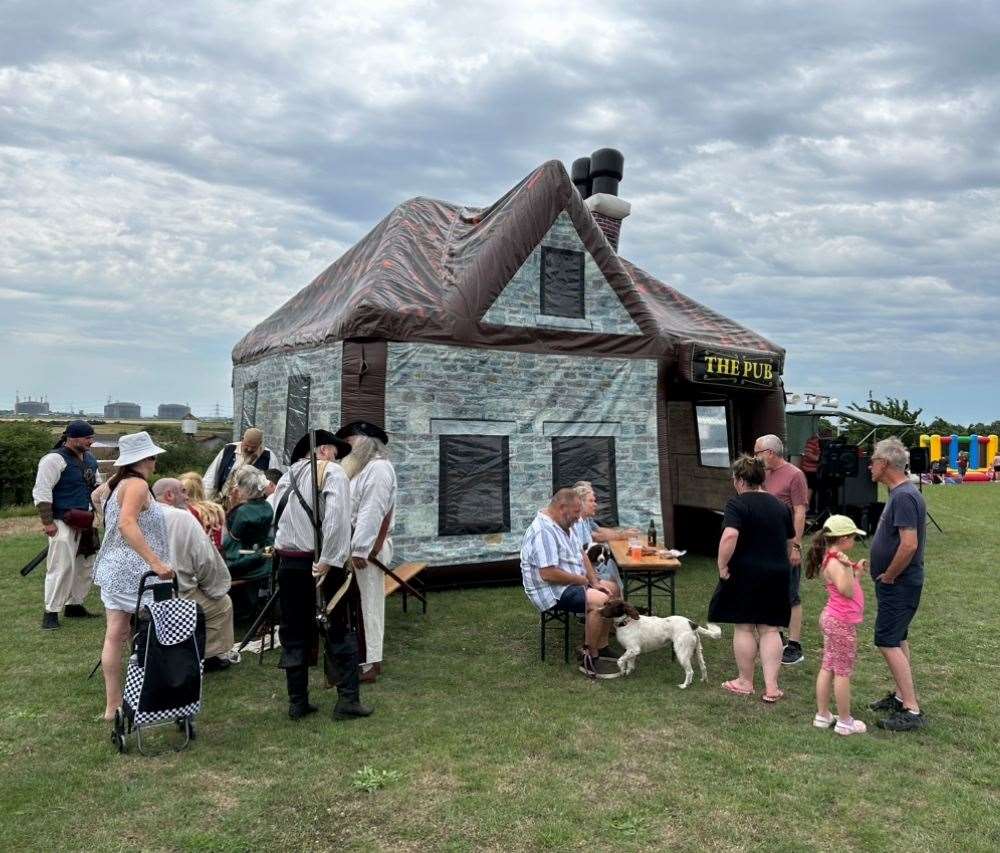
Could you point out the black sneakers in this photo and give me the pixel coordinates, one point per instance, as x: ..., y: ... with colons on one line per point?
x: 792, y: 654
x: 902, y: 721
x: 889, y: 702
x: 50, y: 621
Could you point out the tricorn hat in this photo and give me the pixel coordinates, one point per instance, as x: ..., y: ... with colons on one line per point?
x: 301, y: 449
x: 363, y: 428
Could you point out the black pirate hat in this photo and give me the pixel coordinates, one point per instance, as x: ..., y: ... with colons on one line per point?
x: 301, y: 449
x: 363, y: 428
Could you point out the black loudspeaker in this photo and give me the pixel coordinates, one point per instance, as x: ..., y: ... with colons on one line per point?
x: 920, y: 460
x: 838, y: 460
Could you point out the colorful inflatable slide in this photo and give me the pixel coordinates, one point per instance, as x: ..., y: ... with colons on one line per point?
x: 981, y: 450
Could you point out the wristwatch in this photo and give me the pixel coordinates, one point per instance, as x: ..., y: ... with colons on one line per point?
x: 796, y: 546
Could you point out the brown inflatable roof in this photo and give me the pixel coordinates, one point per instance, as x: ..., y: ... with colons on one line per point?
x: 430, y: 270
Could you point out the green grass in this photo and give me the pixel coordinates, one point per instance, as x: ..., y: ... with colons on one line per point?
x: 476, y: 744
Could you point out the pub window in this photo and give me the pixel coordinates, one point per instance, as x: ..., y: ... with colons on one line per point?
x: 473, y: 485
x: 562, y: 283
x: 296, y: 412
x: 248, y: 409
x: 576, y: 458
x: 713, y: 435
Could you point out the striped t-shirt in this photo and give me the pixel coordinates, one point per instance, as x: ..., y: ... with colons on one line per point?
x: 546, y: 544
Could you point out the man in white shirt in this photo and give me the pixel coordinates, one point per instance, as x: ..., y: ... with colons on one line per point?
x: 299, y: 571
x: 201, y: 572
x: 65, y: 479
x: 373, y: 501
x: 556, y: 573
x: 249, y: 451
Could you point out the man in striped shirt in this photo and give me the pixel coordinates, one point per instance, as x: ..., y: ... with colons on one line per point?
x: 556, y: 573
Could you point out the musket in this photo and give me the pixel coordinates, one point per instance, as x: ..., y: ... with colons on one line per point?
x: 28, y: 569
x: 321, y: 619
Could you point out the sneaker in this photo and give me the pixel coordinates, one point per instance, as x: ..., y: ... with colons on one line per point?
x: 599, y: 667
x: 608, y: 653
x: 890, y: 702
x: 903, y: 721
x: 792, y: 655
x: 50, y: 621
x: 827, y: 722
x: 850, y: 727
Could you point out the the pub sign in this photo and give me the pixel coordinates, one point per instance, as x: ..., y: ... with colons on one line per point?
x: 711, y: 366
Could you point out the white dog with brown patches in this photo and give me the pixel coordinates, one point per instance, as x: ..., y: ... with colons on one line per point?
x: 639, y: 634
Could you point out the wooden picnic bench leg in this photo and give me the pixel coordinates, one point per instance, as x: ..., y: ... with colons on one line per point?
x: 649, y: 593
x: 423, y: 601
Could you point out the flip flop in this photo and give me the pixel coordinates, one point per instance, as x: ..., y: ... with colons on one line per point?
x: 734, y: 688
x: 771, y: 698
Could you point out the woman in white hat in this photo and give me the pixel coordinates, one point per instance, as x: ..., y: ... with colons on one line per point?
x: 135, y: 542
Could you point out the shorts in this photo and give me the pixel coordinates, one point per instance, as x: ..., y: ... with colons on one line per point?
x: 840, y: 645
x: 794, y: 599
x: 124, y: 601
x: 897, y: 605
x: 573, y: 599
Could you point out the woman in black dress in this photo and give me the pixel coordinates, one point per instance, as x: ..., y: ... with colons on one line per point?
x: 755, y: 577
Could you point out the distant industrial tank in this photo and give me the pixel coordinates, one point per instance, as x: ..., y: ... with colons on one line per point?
x: 120, y: 410
x: 172, y: 411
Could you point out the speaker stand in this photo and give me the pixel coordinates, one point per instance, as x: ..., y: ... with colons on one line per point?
x: 920, y: 488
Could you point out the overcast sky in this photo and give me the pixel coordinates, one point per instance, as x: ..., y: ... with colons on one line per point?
x: 824, y: 173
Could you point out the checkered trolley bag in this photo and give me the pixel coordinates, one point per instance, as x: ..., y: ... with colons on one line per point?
x: 163, y: 680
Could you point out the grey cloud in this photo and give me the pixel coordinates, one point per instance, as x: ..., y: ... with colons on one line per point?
x: 788, y: 154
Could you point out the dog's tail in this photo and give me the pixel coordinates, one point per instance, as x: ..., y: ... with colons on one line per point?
x: 711, y: 630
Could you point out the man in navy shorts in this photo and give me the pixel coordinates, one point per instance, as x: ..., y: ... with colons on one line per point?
x: 556, y: 574
x: 897, y: 569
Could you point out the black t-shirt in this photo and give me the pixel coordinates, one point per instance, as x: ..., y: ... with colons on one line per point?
x: 765, y: 526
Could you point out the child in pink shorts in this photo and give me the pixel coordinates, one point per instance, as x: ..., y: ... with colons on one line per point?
x: 844, y: 611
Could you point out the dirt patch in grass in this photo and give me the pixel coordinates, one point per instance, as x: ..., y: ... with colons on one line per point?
x: 18, y: 526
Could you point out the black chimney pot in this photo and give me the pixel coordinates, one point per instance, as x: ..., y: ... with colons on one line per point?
x: 580, y: 175
x: 607, y: 167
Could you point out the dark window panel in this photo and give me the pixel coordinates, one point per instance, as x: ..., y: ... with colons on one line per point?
x: 577, y: 458
x: 248, y: 409
x: 474, y: 485
x: 562, y: 283
x: 296, y: 412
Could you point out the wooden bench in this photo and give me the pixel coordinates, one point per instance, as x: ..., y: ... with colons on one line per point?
x: 407, y: 572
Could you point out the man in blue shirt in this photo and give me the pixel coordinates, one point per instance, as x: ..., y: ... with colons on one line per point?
x: 897, y: 569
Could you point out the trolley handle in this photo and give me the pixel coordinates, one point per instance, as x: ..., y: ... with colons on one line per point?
x: 144, y: 587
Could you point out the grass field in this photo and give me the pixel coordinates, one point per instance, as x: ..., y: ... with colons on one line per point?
x: 476, y: 744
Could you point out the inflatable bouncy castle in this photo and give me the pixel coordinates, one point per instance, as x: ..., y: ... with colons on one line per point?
x: 978, y: 449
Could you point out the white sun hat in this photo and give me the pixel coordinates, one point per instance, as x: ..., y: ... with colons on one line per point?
x: 134, y: 447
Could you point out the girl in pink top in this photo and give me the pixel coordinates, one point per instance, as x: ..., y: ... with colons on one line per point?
x: 844, y: 611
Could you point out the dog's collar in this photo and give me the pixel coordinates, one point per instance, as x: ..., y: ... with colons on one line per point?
x: 622, y: 621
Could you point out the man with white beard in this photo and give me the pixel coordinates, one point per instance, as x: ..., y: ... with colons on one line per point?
x: 373, y: 501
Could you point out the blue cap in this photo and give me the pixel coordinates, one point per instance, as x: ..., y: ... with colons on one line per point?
x: 79, y: 429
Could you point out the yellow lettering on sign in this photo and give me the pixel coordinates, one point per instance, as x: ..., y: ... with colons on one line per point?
x: 709, y: 359
x: 747, y: 367
x: 768, y: 373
